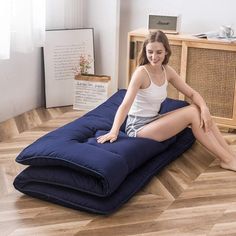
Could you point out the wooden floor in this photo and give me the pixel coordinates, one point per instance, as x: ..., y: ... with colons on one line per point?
x: 192, y: 196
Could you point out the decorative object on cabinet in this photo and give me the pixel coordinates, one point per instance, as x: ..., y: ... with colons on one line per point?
x: 168, y: 24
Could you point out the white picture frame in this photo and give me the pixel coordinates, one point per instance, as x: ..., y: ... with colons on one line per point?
x: 62, y: 52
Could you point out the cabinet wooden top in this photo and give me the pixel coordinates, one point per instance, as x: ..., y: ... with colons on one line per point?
x: 142, y: 32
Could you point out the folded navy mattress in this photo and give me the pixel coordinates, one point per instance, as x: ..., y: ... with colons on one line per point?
x: 68, y: 167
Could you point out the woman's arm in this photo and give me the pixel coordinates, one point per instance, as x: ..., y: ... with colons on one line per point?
x: 196, y: 98
x: 135, y: 84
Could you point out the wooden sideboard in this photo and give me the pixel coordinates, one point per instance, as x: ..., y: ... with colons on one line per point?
x: 209, y: 66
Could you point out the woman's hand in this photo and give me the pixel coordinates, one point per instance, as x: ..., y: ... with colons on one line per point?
x: 206, y: 120
x: 111, y: 136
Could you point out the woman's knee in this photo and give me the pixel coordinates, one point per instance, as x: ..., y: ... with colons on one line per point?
x: 194, y: 112
x: 193, y: 109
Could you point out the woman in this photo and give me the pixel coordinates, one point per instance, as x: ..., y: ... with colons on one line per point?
x: 148, y: 89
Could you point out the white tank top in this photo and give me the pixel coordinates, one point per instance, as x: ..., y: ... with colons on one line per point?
x: 148, y: 101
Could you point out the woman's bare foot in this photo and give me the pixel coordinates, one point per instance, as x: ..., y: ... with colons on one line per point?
x: 230, y: 165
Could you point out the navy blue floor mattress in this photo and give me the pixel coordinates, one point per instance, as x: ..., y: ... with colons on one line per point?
x: 68, y: 167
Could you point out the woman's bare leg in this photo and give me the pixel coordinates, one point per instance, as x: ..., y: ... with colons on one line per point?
x: 221, y: 139
x: 171, y: 124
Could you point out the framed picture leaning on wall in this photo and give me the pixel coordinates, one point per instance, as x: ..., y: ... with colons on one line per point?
x: 62, y: 52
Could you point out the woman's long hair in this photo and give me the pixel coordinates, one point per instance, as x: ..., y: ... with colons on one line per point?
x: 154, y: 36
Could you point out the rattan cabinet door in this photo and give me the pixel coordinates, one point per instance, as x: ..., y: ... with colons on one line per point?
x: 212, y: 73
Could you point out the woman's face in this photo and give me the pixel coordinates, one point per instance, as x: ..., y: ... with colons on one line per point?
x: 155, y: 53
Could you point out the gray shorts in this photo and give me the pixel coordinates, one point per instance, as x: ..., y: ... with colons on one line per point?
x: 136, y: 123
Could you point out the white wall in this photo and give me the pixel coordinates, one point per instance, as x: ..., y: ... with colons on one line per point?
x: 55, y: 14
x: 197, y: 16
x: 103, y: 16
x: 21, y: 85
x: 64, y: 14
